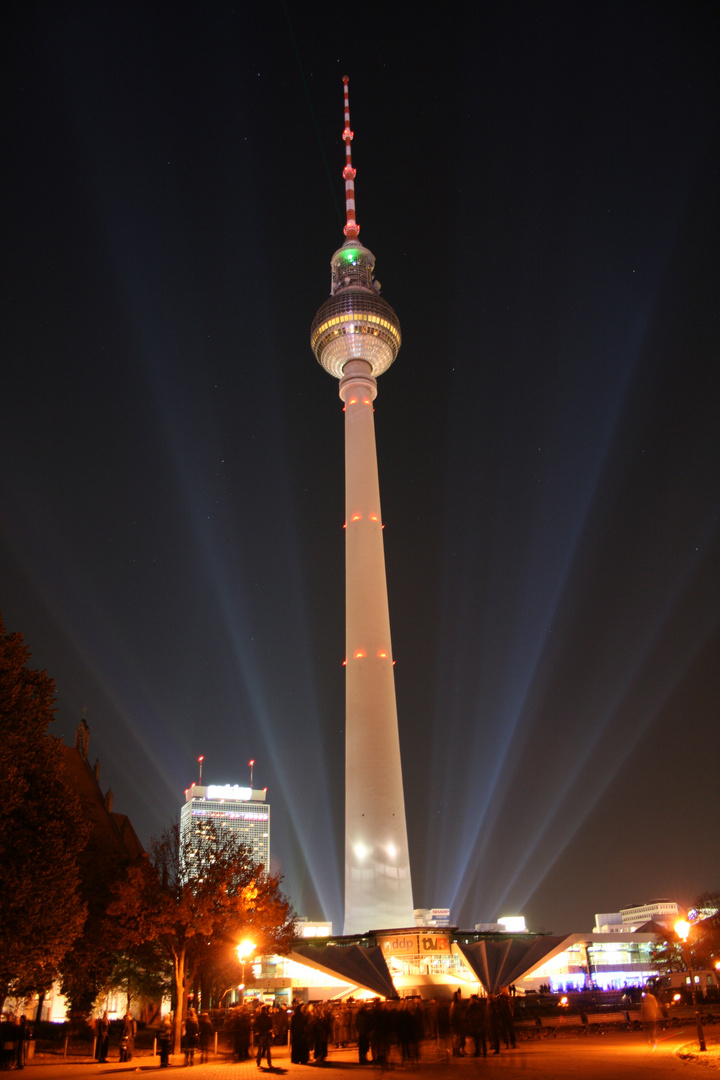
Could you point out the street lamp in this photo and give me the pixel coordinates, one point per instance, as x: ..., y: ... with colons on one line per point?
x: 682, y: 929
x: 243, y: 950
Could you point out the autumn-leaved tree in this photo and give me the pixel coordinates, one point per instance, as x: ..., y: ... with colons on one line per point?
x: 42, y: 831
x: 184, y: 897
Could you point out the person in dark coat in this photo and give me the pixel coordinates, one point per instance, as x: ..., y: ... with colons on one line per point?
x: 299, y: 1046
x: 321, y: 1034
x: 457, y: 1023
x: 363, y: 1024
x: 494, y: 1019
x: 476, y: 1017
x: 102, y: 1038
x: 127, y: 1037
x: 191, y: 1036
x: 505, y: 1014
x: 207, y: 1037
x: 22, y: 1033
x: 164, y: 1040
x: 280, y: 1026
x: 263, y: 1030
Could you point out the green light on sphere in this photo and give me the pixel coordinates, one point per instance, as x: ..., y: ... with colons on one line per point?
x: 351, y: 256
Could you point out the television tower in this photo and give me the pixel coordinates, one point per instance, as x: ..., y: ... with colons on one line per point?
x: 356, y: 337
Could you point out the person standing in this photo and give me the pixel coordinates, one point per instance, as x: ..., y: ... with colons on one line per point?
x: 650, y: 1014
x: 23, y: 1034
x: 164, y: 1039
x: 263, y: 1031
x: 505, y: 1016
x: 191, y: 1036
x: 127, y: 1038
x: 207, y: 1034
x: 494, y: 1019
x: 457, y: 1023
x: 477, y: 1024
x: 299, y: 1046
x: 364, y: 1026
x: 102, y: 1038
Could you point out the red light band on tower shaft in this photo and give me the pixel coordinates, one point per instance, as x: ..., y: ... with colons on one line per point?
x: 352, y: 228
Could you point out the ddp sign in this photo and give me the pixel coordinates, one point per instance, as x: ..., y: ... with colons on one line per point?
x: 414, y: 944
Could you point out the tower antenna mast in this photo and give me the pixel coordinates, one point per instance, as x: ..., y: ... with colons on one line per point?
x: 352, y: 228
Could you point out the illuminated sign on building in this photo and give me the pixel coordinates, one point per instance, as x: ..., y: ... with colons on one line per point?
x: 229, y: 791
x: 414, y: 944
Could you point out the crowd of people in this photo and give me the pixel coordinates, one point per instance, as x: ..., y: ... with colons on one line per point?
x: 15, y: 1033
x: 462, y: 1026
x: 473, y: 1026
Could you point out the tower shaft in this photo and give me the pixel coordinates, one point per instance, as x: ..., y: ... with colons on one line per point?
x: 356, y: 336
x: 378, y: 891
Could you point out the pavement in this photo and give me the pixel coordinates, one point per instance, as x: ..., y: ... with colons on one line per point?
x: 617, y: 1056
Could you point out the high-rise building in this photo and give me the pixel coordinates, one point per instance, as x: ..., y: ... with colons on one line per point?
x: 241, y: 810
x: 356, y: 337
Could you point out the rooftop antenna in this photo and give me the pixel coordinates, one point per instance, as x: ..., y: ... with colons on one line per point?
x: 352, y: 228
x: 252, y: 766
x: 200, y: 761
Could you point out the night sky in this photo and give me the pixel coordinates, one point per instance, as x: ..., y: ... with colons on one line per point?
x: 539, y: 184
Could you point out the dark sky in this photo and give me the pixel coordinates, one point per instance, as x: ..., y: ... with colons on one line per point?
x: 539, y: 184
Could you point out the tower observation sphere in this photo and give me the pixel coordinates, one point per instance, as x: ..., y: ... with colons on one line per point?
x: 355, y: 323
x: 356, y: 336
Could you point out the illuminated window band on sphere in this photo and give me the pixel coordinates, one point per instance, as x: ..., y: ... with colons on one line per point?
x: 355, y: 337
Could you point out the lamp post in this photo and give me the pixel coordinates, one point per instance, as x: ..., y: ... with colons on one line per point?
x: 682, y: 929
x: 243, y: 950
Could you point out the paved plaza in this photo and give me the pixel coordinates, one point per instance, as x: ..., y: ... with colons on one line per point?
x: 620, y: 1056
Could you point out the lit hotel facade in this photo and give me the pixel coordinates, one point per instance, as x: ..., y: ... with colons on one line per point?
x: 243, y: 811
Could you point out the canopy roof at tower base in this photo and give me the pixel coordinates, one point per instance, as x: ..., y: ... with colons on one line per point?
x: 365, y: 967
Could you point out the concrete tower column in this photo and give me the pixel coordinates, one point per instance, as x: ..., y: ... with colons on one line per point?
x: 378, y: 891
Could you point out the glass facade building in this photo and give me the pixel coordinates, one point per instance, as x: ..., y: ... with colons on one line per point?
x: 242, y: 811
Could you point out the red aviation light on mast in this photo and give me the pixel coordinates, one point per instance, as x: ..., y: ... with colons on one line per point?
x: 352, y: 228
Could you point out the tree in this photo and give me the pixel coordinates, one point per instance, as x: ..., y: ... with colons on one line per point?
x: 703, y: 944
x: 142, y: 973
x: 225, y: 896
x: 42, y: 831
x: 87, y: 966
